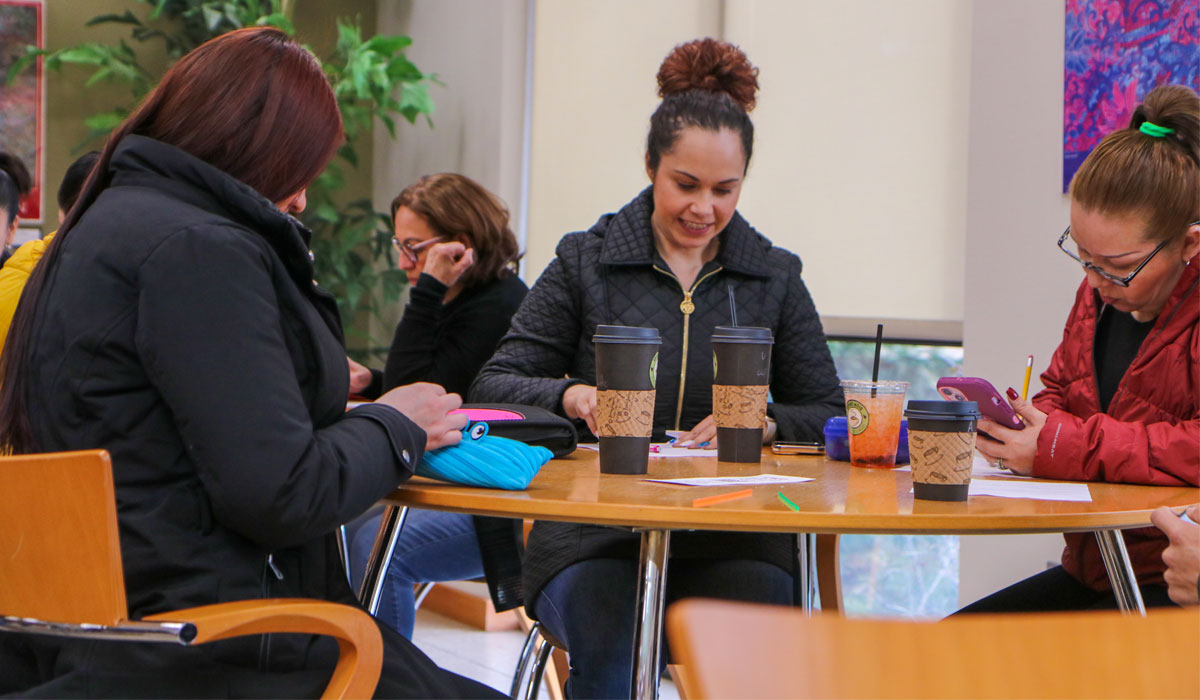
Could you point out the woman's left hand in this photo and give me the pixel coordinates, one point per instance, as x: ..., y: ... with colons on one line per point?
x: 446, y: 262
x: 360, y: 377
x: 1016, y: 447
x: 702, y: 436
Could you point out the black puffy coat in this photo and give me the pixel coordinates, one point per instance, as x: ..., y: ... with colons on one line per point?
x: 182, y: 331
x: 612, y: 274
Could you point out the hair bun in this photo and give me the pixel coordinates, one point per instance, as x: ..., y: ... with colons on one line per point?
x: 712, y: 65
x: 1175, y: 107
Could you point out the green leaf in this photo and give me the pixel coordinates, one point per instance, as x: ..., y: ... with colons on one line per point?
x: 105, y: 121
x: 326, y: 212
x: 127, y: 18
x: 415, y: 100
x: 387, y: 44
x: 279, y: 20
x: 212, y: 18
x: 348, y: 154
x: 31, y: 54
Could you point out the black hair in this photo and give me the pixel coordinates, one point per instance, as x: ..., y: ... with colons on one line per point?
x: 14, y: 184
x: 73, y: 180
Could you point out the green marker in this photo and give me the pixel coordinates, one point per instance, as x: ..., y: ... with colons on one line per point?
x: 788, y: 502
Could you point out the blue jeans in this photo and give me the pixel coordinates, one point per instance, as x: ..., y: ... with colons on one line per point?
x: 433, y: 546
x: 589, y: 606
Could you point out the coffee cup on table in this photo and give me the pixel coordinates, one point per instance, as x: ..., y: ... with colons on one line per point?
x: 626, y: 374
x: 941, y: 443
x: 741, y: 382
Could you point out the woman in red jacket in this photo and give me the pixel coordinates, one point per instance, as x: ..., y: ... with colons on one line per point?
x: 1122, y: 397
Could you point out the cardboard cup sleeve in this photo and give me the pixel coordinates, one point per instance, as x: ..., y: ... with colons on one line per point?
x: 621, y: 413
x: 940, y: 458
x: 740, y: 406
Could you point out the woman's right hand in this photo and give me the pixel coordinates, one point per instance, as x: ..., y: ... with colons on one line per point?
x: 579, y: 401
x: 446, y: 262
x: 428, y: 405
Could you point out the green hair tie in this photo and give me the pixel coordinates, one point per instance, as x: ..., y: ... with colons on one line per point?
x: 1155, y: 130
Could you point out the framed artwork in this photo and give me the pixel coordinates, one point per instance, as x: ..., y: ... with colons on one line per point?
x: 1116, y: 52
x: 23, y: 103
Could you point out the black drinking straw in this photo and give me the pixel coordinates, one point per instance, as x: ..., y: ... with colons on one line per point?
x: 878, y: 346
x: 733, y: 310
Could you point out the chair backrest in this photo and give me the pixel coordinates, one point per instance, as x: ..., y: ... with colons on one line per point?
x: 739, y: 650
x: 60, y: 555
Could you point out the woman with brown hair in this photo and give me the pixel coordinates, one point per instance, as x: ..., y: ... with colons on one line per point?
x: 669, y: 260
x: 178, y: 284
x: 1122, y: 396
x: 455, y: 245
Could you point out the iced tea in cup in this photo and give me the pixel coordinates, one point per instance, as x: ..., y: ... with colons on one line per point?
x: 873, y: 413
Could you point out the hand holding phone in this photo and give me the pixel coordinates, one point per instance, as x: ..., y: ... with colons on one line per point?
x: 991, y: 403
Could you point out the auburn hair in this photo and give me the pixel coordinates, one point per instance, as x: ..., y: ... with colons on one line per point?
x: 1131, y: 172
x: 460, y: 209
x: 704, y: 83
x: 252, y: 102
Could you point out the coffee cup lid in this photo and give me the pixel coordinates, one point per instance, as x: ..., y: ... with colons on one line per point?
x: 742, y: 334
x: 943, y: 410
x: 627, y: 334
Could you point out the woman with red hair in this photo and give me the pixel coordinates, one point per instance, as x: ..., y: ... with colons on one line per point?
x: 174, y: 322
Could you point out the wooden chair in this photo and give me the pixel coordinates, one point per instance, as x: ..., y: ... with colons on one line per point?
x: 58, y: 518
x: 755, y: 651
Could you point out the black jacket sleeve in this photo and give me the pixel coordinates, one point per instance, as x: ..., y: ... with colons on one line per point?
x: 432, y: 345
x: 804, y: 382
x: 530, y: 367
x: 210, y: 326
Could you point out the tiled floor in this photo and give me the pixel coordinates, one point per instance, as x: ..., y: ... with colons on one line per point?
x: 488, y: 657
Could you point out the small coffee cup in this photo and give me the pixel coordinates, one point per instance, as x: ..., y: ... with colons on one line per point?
x: 741, y: 382
x: 941, y: 443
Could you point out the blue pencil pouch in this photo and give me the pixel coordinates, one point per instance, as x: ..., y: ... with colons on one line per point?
x: 485, y: 460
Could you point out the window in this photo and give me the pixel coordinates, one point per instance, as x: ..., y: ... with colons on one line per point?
x: 911, y: 576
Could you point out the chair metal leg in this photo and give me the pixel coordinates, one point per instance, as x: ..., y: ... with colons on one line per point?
x: 422, y: 591
x: 527, y: 653
x: 539, y: 670
x: 343, y: 543
x: 390, y: 526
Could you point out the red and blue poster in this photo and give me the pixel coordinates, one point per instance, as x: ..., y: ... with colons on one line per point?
x: 1116, y: 52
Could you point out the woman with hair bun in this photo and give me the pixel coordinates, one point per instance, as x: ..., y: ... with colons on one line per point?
x: 1122, y: 396
x: 15, y: 183
x: 665, y: 260
x: 174, y: 322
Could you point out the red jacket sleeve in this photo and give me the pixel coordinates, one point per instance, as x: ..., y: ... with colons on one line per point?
x: 1102, y: 448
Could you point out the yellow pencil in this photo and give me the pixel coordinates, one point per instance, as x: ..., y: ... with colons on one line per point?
x: 1028, y: 371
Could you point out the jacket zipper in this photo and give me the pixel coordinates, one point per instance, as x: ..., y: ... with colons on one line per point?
x: 264, y: 646
x: 687, y: 307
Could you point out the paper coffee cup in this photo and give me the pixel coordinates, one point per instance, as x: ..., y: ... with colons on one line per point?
x: 741, y: 382
x: 626, y: 375
x: 941, y: 443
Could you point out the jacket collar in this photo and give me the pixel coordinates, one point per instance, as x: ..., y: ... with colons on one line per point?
x: 1185, y: 287
x: 629, y: 239
x: 139, y: 160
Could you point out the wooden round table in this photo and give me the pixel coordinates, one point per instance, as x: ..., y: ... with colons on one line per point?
x: 840, y: 500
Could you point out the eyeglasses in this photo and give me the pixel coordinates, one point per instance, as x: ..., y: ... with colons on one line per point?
x: 410, y: 250
x: 1119, y: 281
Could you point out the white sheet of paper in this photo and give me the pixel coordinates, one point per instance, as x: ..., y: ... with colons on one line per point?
x: 756, y: 480
x: 664, y: 450
x: 980, y: 468
x: 1040, y: 490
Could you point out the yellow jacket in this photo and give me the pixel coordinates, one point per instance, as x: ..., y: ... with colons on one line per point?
x: 13, y: 277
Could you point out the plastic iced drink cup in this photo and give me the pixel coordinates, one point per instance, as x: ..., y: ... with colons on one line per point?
x: 941, y: 442
x: 626, y: 369
x: 741, y: 382
x: 873, y: 414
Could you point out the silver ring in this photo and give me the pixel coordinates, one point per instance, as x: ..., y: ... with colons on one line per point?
x: 1000, y: 463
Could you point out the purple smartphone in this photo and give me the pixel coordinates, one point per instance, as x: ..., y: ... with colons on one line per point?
x: 981, y: 391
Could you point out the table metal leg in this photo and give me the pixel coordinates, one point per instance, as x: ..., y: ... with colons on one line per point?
x: 647, y: 626
x: 390, y: 526
x: 806, y: 563
x: 1120, y: 572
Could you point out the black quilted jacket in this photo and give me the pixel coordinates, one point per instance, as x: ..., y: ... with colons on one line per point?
x: 613, y: 274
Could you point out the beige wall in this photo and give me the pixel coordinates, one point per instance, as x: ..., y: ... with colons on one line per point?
x: 1019, y: 286
x: 593, y: 93
x: 861, y: 148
